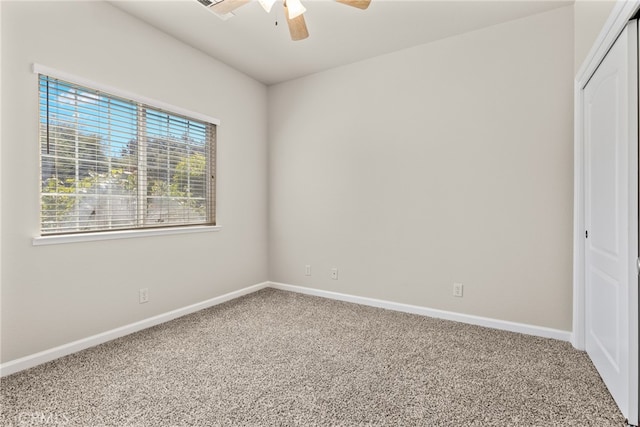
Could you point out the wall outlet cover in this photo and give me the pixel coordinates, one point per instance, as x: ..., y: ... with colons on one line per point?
x: 143, y: 295
x: 457, y: 290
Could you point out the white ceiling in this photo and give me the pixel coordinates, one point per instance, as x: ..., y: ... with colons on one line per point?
x: 251, y: 41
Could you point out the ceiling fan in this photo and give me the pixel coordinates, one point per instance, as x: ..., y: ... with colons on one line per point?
x: 293, y: 11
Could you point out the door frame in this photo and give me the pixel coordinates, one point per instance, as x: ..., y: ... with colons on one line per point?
x: 622, y: 12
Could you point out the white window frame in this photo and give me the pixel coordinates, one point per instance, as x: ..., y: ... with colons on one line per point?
x: 133, y: 233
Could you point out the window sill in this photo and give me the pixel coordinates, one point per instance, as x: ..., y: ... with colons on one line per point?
x: 121, y: 234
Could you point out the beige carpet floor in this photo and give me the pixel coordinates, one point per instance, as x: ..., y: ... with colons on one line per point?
x: 276, y: 358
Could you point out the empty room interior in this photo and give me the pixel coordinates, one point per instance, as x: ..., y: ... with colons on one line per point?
x: 342, y: 212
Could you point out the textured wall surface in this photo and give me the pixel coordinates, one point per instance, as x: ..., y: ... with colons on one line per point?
x: 447, y: 162
x: 52, y: 295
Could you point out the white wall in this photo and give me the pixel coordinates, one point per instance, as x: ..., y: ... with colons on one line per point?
x: 589, y: 17
x: 447, y: 162
x: 52, y: 295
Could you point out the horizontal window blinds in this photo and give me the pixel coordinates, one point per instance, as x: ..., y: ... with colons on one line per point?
x: 108, y: 163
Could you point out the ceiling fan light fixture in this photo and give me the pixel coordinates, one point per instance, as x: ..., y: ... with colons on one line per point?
x: 293, y: 12
x: 267, y: 4
x: 295, y: 8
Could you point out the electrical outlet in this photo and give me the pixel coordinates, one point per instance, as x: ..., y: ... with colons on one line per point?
x: 307, y: 270
x: 334, y: 273
x: 144, y: 295
x: 457, y: 290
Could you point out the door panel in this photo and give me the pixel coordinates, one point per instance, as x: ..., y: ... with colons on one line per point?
x: 604, y: 161
x: 604, y: 327
x: 609, y: 96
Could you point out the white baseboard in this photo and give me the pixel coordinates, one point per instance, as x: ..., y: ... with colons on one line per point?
x: 32, y: 360
x: 522, y: 328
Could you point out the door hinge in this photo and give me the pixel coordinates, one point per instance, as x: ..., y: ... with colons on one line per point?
x: 586, y: 234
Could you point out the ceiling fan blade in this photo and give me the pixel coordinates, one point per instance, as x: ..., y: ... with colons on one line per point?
x: 360, y: 4
x: 226, y: 6
x: 297, y: 26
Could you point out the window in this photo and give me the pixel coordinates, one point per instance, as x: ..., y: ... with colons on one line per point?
x: 109, y: 163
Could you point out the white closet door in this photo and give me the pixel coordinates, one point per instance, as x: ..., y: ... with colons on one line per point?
x: 610, y: 139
